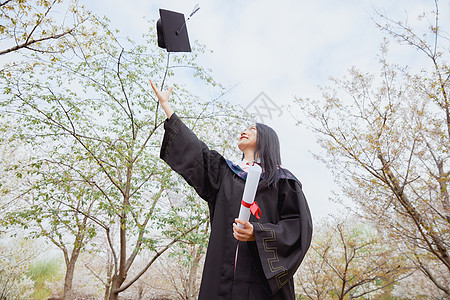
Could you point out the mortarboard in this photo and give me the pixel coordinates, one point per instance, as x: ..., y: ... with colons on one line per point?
x: 172, y: 32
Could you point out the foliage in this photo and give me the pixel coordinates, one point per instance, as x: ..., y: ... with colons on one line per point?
x: 348, y: 259
x: 182, y: 268
x: 93, y: 130
x: 42, y: 272
x: 41, y: 26
x: 416, y: 286
x: 15, y: 257
x: 387, y: 138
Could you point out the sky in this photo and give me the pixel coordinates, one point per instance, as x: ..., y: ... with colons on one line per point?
x: 274, y: 51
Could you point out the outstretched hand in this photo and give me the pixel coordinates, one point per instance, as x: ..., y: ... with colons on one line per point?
x: 163, y: 98
x: 245, y: 234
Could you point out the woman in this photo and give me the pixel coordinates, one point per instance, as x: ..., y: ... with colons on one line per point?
x: 270, y: 248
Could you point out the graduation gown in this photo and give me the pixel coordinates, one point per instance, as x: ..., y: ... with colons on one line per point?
x: 264, y: 268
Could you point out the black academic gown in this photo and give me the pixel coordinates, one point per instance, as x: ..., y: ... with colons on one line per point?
x: 265, y: 267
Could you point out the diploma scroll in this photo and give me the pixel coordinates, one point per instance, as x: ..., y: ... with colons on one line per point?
x: 248, y: 197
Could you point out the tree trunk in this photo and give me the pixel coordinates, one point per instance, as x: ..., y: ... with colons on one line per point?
x: 68, y: 279
x: 192, y: 279
x: 119, y: 278
x: 114, y: 286
x: 109, y: 270
x: 107, y: 292
x: 116, y: 283
x: 140, y: 292
x: 121, y: 274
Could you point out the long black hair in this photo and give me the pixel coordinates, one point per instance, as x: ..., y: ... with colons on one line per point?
x: 268, y: 151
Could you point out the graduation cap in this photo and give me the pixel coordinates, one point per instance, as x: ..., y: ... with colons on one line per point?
x: 172, y: 31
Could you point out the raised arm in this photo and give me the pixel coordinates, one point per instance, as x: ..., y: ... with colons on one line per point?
x: 163, y: 98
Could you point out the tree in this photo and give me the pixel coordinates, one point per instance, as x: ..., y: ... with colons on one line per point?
x: 387, y: 137
x: 95, y: 131
x: 183, y: 266
x: 41, y: 26
x: 45, y: 197
x: 15, y: 258
x: 348, y: 261
x: 57, y: 206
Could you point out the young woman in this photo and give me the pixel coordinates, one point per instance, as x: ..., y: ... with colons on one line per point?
x: 270, y: 248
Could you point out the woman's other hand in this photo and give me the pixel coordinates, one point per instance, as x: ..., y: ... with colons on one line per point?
x: 245, y: 234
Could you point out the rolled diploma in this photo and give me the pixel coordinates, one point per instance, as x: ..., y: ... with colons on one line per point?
x: 251, y: 184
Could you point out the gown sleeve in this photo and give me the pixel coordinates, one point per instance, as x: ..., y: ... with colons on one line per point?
x: 281, y: 247
x: 191, y: 158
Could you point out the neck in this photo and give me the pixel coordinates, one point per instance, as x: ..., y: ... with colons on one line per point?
x: 249, y: 155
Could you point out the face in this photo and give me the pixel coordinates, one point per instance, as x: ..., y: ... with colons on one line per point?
x: 247, y: 139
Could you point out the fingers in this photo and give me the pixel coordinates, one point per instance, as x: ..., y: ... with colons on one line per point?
x: 243, y: 223
x: 243, y: 234
x: 238, y: 233
x: 238, y: 229
x: 166, y: 94
x: 239, y: 221
x: 153, y: 86
x: 162, y: 96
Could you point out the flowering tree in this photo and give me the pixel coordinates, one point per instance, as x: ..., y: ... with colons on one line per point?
x: 15, y: 258
x: 348, y: 260
x: 41, y: 26
x: 387, y: 137
x: 94, y: 130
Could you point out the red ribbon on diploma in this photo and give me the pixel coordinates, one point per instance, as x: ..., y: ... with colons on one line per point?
x: 254, y: 208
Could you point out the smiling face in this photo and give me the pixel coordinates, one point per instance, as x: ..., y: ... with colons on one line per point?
x: 247, y: 139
